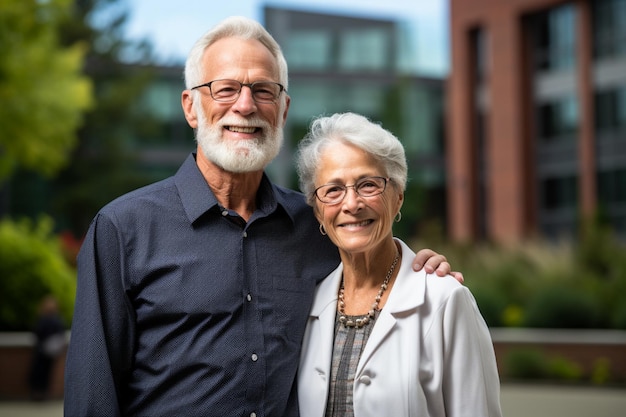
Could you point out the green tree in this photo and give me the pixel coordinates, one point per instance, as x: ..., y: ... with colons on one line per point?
x: 42, y: 90
x: 104, y: 165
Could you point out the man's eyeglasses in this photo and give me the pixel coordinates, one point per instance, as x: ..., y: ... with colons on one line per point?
x: 365, y: 187
x: 229, y: 90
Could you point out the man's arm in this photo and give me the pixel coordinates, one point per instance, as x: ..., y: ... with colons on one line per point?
x: 100, y: 347
x: 431, y: 261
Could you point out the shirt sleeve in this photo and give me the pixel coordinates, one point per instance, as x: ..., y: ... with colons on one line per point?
x: 101, y: 345
x: 471, y: 382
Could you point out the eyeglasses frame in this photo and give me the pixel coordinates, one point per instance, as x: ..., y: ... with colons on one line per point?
x: 353, y: 186
x: 241, y: 86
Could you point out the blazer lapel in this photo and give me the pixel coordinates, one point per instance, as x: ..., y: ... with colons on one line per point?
x: 322, y: 317
x: 408, y: 292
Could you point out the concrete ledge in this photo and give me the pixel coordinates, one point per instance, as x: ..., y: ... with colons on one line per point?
x: 16, y: 339
x: 587, y: 348
x: 559, y: 336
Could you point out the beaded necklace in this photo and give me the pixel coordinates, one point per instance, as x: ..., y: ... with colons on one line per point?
x: 360, y: 322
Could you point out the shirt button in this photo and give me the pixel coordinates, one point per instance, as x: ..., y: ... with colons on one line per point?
x: 365, y: 380
x: 225, y: 212
x: 245, y: 234
x: 253, y: 414
x: 254, y: 357
x: 249, y: 297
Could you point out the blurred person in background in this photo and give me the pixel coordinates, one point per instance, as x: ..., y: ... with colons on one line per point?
x: 382, y: 339
x: 49, y: 345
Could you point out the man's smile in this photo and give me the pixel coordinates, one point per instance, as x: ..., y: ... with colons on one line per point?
x: 241, y: 129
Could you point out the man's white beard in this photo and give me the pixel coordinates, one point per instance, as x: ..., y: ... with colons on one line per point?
x: 247, y: 155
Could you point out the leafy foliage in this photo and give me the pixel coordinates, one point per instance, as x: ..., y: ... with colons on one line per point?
x: 563, y: 307
x: 104, y: 165
x: 32, y: 265
x: 90, y: 159
x: 578, y: 284
x: 42, y: 90
x: 526, y: 364
x: 530, y: 363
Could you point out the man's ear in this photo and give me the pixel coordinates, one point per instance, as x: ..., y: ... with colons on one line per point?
x: 287, y: 103
x: 186, y: 101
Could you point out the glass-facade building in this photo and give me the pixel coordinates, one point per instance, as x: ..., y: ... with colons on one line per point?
x: 343, y: 63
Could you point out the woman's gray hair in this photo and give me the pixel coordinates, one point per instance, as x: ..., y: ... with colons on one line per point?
x: 232, y: 27
x: 355, y: 130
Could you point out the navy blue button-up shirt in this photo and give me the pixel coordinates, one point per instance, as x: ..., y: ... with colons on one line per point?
x: 184, y: 309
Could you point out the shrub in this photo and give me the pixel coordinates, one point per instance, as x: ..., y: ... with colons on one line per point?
x: 491, y: 304
x: 572, y: 284
x: 32, y: 266
x: 563, y: 369
x: 562, y: 307
x: 526, y: 364
x: 601, y: 372
x: 513, y: 316
x: 529, y: 363
x: 619, y: 316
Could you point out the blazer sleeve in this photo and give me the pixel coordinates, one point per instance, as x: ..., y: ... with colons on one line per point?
x: 100, y: 352
x: 471, y: 384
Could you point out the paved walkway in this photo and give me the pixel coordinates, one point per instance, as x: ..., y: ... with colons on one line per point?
x: 31, y: 409
x: 562, y: 401
x: 517, y: 401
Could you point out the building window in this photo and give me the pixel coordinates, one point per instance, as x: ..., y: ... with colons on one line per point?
x: 480, y: 54
x: 559, y: 193
x: 558, y: 120
x: 558, y: 206
x: 612, y: 186
x: 610, y: 107
x: 609, y: 31
x: 612, y: 197
x: 309, y: 50
x: 555, y: 39
x: 364, y: 50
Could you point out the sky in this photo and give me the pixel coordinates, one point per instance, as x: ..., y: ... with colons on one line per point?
x: 173, y: 25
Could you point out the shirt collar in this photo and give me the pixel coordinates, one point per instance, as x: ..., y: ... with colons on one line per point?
x: 197, y: 197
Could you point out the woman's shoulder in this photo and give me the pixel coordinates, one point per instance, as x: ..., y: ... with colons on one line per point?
x: 445, y: 283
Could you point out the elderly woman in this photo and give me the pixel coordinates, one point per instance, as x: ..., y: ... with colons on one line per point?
x: 381, y: 339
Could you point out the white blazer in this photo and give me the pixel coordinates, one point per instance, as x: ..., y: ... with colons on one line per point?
x: 429, y: 353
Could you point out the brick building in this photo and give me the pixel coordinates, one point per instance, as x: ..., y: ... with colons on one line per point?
x: 537, y: 117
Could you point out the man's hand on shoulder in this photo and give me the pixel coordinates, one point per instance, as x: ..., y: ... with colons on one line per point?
x: 431, y: 261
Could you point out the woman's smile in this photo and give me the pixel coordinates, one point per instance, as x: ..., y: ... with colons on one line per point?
x: 355, y: 225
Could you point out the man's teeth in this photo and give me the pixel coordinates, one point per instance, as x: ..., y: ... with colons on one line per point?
x: 241, y: 129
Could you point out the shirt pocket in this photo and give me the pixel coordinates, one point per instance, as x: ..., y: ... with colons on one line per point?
x: 291, y: 301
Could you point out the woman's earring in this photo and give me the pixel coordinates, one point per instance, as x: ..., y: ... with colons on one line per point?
x: 398, y: 217
x: 322, y: 231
